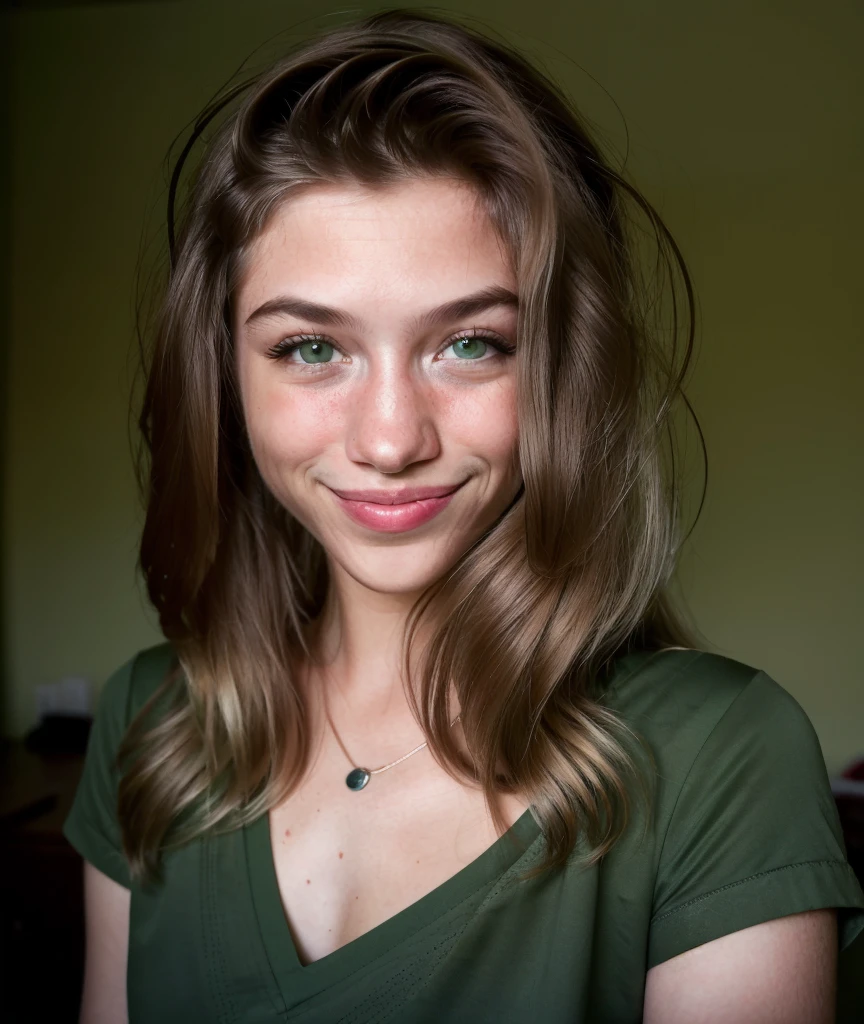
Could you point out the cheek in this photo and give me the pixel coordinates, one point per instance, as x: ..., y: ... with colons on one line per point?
x: 485, y: 421
x: 287, y: 427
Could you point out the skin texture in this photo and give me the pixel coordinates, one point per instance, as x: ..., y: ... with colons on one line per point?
x: 395, y: 407
x: 778, y: 972
x: 106, y: 908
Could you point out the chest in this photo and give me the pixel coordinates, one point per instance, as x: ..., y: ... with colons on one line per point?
x: 347, y: 861
x: 213, y: 943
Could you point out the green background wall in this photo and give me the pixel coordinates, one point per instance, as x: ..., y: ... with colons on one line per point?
x: 744, y: 131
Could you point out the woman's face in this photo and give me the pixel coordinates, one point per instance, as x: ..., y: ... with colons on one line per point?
x: 374, y: 333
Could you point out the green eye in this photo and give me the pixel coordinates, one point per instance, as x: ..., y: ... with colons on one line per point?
x: 469, y: 348
x: 315, y: 351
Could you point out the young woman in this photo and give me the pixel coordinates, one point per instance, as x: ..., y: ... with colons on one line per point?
x: 427, y: 741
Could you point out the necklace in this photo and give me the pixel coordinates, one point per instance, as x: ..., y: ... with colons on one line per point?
x: 358, y: 778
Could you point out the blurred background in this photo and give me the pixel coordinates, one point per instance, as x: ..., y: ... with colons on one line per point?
x: 741, y: 123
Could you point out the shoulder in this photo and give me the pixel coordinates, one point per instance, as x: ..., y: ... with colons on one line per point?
x: 745, y: 825
x: 132, y: 685
x: 682, y: 701
x: 644, y: 679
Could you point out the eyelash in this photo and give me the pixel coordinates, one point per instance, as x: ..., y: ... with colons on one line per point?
x: 282, y: 349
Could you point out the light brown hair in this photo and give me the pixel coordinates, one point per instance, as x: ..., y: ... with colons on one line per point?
x: 529, y: 621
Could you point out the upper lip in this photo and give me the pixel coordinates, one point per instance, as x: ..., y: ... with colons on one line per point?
x: 399, y: 497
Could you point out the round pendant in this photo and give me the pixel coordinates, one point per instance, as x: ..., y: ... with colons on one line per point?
x: 357, y: 779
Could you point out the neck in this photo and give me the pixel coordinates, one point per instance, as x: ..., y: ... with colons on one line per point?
x: 358, y: 679
x: 358, y: 639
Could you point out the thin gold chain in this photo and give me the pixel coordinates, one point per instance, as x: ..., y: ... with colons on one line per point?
x: 384, y: 767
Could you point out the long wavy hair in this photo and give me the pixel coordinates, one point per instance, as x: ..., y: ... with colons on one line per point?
x: 527, y: 624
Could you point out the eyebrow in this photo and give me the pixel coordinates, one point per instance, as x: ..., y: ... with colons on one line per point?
x: 456, y: 309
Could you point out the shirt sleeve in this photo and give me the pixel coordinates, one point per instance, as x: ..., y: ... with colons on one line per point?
x: 92, y: 826
x: 755, y: 833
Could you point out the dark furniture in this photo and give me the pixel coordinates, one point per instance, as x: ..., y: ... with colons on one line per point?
x: 41, y: 888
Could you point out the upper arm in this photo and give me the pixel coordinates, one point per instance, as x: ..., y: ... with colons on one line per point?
x: 754, y: 836
x: 783, y: 970
x: 106, y: 907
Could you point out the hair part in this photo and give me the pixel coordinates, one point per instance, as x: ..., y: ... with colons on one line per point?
x: 529, y: 621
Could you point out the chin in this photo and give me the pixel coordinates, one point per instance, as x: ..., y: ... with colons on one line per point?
x: 404, y: 569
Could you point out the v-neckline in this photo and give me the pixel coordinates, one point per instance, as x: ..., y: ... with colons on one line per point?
x: 296, y: 979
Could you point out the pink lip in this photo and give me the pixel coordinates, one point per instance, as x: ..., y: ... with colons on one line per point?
x: 395, y: 511
x: 393, y: 497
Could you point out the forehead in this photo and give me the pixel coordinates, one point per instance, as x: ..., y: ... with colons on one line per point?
x: 399, y: 211
x: 338, y: 242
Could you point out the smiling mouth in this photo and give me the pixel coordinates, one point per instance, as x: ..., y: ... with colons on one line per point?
x: 400, y: 497
x: 399, y: 511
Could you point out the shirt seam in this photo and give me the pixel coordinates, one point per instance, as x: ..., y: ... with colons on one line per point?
x: 79, y: 831
x: 494, y: 888
x: 742, y: 881
x: 212, y: 938
x: 696, y: 757
x: 283, y: 1009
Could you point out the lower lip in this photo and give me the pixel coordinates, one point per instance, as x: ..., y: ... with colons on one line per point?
x: 395, y: 518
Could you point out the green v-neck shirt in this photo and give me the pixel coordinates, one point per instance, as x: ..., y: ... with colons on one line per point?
x: 744, y: 829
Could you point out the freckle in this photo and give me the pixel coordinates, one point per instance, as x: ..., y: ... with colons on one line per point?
x: 356, y: 897
x: 341, y: 855
x: 418, y: 861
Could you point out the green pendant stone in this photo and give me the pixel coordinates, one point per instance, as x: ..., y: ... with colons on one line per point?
x: 357, y: 779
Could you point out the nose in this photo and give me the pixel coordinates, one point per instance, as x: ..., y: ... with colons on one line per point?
x: 391, y: 421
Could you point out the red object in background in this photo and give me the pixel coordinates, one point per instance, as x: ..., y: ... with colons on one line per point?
x: 855, y: 770
x: 848, y: 790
